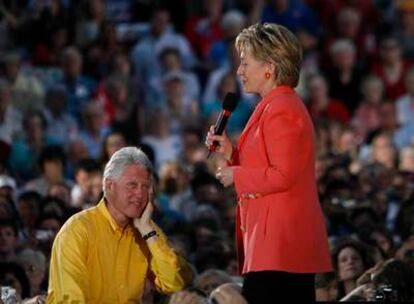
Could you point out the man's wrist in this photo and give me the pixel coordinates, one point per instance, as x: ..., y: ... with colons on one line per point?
x: 149, y: 235
x: 145, y: 229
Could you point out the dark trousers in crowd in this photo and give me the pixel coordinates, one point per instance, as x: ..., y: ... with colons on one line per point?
x: 264, y: 287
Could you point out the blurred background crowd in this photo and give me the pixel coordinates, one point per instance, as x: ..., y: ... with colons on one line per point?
x: 80, y: 79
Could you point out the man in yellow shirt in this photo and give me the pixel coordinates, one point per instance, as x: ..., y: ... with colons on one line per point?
x: 105, y: 254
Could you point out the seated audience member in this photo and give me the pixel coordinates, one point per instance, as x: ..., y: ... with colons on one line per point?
x: 116, y: 243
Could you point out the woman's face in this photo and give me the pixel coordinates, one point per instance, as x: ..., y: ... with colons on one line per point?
x: 373, y: 92
x: 114, y: 142
x: 350, y: 265
x: 251, y: 72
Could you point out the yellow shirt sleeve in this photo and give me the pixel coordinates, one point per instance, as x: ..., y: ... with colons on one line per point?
x: 172, y: 272
x: 68, y: 282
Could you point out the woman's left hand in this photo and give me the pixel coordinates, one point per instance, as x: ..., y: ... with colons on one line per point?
x: 225, y: 175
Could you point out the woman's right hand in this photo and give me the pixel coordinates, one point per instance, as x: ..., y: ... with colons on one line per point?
x: 225, y: 147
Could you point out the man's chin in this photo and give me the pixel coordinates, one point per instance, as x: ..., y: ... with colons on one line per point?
x: 135, y: 212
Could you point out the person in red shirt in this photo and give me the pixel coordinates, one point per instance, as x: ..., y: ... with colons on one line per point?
x: 280, y: 230
x: 320, y: 105
x: 391, y: 67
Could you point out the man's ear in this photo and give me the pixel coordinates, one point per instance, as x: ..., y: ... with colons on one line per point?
x: 109, y: 184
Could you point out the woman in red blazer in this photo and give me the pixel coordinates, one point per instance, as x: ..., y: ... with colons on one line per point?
x: 281, y: 235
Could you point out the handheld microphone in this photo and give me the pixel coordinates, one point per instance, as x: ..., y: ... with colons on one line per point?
x: 229, y: 104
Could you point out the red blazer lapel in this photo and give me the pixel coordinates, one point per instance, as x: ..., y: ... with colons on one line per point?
x: 253, y: 119
x: 261, y: 106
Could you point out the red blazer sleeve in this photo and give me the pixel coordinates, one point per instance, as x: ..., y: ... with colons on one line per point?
x: 282, y: 135
x: 234, y: 159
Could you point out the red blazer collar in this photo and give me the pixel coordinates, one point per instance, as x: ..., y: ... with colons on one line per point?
x: 260, y: 108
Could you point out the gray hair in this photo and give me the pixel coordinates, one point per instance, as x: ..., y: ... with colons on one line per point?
x: 232, y: 18
x: 123, y: 158
x: 342, y: 45
x: 34, y: 257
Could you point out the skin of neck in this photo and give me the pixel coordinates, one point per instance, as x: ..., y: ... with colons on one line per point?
x: 267, y: 87
x: 349, y: 285
x: 119, y: 218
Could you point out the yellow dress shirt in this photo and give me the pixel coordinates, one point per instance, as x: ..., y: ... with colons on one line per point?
x: 95, y: 261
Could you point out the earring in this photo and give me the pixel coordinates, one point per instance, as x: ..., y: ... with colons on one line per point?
x: 267, y: 75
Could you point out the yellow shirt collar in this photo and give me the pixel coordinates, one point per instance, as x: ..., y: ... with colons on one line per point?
x: 103, y: 208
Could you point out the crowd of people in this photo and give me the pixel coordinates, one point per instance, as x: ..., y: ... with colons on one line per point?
x: 81, y: 79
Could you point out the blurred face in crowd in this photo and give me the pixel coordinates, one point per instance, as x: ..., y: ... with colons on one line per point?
x: 77, y: 150
x: 122, y: 65
x: 73, y: 65
x: 348, y: 141
x: 6, y: 211
x: 119, y: 94
x: 82, y: 179
x: 175, y: 92
x: 388, y: 116
x: 49, y: 228
x: 94, y: 118
x: 60, y: 191
x: 373, y: 91
x: 53, y: 170
x: 213, y: 8
x: 8, y: 240
x: 350, y: 265
x: 349, y: 23
x: 12, y: 69
x: 34, y: 127
x: 307, y: 40
x: 160, y: 126
x: 114, y: 142
x: 95, y: 186
x: 407, y: 159
x: 128, y: 196
x: 173, y: 178
x: 171, y: 61
x: 317, y: 88
x: 28, y: 213
x: 344, y: 58
x: 390, y: 51
x: 52, y: 225
x: 160, y: 22
x: 383, y: 151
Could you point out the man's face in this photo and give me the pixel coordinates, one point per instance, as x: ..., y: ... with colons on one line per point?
x: 129, y: 194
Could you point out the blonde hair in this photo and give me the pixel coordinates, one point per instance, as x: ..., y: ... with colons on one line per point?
x: 273, y: 43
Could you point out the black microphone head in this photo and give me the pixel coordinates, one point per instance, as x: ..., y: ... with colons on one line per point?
x: 231, y: 101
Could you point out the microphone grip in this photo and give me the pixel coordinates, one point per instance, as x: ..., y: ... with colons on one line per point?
x: 219, y: 128
x: 221, y: 123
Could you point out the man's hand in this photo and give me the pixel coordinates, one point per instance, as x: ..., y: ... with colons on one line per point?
x: 143, y: 223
